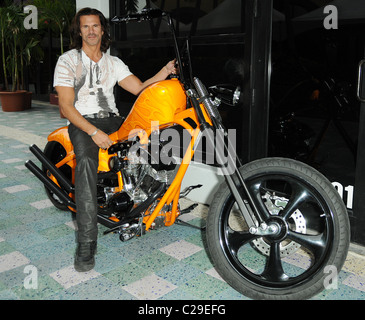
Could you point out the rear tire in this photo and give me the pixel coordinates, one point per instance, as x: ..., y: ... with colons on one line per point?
x: 314, y: 226
x: 55, y: 152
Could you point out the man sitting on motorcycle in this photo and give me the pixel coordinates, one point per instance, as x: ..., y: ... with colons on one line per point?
x: 84, y: 80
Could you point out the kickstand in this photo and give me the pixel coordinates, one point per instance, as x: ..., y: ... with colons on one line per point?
x: 183, y: 223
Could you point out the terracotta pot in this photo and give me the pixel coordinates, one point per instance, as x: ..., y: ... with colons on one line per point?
x: 53, y: 98
x: 15, y: 101
x: 28, y: 99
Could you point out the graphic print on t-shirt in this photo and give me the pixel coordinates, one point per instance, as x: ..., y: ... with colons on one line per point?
x: 93, y: 82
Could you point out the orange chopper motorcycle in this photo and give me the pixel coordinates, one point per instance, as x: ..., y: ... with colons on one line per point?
x: 265, y: 214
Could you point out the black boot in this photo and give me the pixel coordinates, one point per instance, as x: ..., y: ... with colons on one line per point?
x: 84, y: 259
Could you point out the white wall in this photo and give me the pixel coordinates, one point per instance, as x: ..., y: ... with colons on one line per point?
x: 205, y: 175
x: 101, y: 5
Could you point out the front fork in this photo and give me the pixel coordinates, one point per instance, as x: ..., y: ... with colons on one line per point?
x: 254, y: 217
x: 235, y: 181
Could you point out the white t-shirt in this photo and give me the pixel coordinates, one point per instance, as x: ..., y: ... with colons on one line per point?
x: 93, y: 82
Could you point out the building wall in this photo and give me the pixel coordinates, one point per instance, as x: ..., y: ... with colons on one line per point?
x: 101, y: 5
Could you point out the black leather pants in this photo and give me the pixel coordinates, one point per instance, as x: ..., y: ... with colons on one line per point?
x: 87, y: 162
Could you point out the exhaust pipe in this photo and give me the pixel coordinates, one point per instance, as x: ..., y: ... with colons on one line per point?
x: 52, y: 168
x: 29, y: 164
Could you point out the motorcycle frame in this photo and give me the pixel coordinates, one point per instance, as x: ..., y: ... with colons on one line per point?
x: 206, y: 118
x: 172, y: 194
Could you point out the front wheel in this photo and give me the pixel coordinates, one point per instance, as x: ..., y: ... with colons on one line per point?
x: 313, y: 235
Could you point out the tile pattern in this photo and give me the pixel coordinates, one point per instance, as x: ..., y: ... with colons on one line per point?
x: 37, y: 241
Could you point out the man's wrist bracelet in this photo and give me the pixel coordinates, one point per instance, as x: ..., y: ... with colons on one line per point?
x: 94, y: 133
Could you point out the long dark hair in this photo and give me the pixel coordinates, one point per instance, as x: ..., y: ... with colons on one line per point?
x: 75, y: 29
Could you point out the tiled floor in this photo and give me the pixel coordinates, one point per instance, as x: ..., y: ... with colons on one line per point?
x: 37, y: 241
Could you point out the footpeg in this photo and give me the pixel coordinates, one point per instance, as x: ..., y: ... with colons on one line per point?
x: 186, y: 191
x: 189, y: 209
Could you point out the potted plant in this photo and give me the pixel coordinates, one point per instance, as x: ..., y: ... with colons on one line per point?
x: 10, y: 16
x: 57, y: 15
x: 17, y: 44
x: 28, y: 49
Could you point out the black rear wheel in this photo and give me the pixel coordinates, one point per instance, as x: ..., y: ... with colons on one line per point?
x: 55, y: 152
x: 312, y: 232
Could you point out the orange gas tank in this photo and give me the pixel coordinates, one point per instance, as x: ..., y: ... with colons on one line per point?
x: 158, y: 102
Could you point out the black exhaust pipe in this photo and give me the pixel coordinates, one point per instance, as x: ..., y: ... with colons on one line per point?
x: 29, y: 164
x: 62, y: 180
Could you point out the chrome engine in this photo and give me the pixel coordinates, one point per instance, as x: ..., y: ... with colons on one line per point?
x: 141, y: 178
